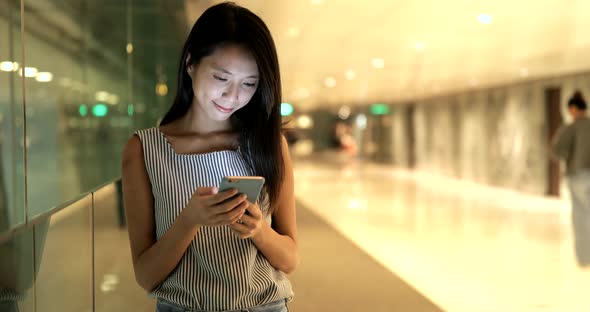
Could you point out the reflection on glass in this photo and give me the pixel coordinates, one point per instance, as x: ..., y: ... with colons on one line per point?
x: 88, y: 87
x: 77, y: 119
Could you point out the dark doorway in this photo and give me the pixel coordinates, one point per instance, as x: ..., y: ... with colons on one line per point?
x: 553, y: 121
x: 411, y: 132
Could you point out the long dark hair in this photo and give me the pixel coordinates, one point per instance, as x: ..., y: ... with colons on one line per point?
x: 259, y: 122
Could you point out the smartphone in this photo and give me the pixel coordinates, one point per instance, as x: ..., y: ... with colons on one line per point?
x: 249, y: 185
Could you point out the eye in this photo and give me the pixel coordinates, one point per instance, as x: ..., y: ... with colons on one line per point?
x: 219, y: 78
x: 250, y: 85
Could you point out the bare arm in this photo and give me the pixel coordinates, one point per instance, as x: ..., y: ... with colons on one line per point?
x: 153, y: 259
x: 278, y: 243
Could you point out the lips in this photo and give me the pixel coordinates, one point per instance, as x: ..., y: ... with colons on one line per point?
x: 223, y: 109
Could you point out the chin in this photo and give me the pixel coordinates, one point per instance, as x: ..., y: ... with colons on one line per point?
x: 219, y: 116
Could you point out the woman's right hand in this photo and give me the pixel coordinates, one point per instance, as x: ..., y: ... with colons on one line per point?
x: 209, y: 207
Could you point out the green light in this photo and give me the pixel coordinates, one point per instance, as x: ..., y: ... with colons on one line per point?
x: 100, y: 110
x: 286, y: 109
x: 130, y: 110
x: 83, y: 110
x: 379, y: 109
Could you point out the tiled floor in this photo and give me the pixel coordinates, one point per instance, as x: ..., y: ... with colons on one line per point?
x: 466, y: 247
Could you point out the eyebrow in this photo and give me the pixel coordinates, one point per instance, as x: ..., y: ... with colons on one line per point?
x: 221, y: 69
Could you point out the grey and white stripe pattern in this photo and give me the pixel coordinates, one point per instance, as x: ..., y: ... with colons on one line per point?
x: 219, y: 271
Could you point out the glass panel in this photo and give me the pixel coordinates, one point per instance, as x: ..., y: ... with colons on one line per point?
x: 115, y: 285
x: 77, y: 112
x: 53, y: 51
x: 64, y: 281
x: 107, y: 77
x: 158, y: 31
x: 90, y: 58
x: 12, y: 210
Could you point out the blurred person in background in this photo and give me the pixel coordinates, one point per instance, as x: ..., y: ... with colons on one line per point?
x: 344, y: 139
x: 193, y: 247
x: 572, y: 144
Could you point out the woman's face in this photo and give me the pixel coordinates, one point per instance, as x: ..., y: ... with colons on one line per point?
x: 224, y: 81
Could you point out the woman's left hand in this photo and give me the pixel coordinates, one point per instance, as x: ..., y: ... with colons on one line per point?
x: 250, y: 224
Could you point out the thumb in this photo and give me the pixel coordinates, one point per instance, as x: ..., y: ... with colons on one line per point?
x: 202, y: 191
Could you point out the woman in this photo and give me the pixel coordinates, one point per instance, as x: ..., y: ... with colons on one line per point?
x: 194, y: 247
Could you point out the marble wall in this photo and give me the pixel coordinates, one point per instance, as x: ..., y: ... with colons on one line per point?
x: 495, y: 136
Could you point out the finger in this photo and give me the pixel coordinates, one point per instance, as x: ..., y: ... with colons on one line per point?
x: 202, y: 191
x: 233, y: 203
x: 219, y: 197
x: 223, y: 196
x: 241, y: 230
x: 247, y: 220
x: 231, y: 216
x: 238, y: 217
x: 254, y: 210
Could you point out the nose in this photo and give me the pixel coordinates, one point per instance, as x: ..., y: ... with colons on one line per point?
x: 232, y: 93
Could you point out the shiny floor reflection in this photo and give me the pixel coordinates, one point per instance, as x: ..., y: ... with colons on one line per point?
x: 466, y: 247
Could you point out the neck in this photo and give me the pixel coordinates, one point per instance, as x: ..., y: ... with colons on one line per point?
x: 196, y: 121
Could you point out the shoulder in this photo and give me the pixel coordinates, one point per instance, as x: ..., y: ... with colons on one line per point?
x: 133, y: 149
x: 284, y: 140
x: 138, y: 142
x: 146, y: 131
x: 584, y: 122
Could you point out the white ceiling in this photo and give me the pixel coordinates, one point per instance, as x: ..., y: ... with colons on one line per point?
x: 317, y: 39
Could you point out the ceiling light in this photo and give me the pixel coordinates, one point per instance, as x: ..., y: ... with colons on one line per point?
x: 350, y: 74
x: 9, y: 66
x: 330, y: 82
x: 129, y: 48
x: 378, y: 63
x: 101, y: 96
x: 361, y: 121
x: 44, y: 77
x: 344, y: 112
x: 302, y: 93
x: 161, y: 89
x: 485, y: 18
x: 304, y: 122
x: 419, y: 46
x: 293, y: 32
x: 29, y: 72
x: 357, y: 204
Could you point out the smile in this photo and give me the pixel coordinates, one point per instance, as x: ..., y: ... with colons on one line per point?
x: 222, y: 109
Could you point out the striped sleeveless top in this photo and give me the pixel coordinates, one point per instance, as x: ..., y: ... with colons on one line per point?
x: 218, y: 271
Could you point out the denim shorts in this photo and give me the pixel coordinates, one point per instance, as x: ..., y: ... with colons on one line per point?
x: 277, y: 306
